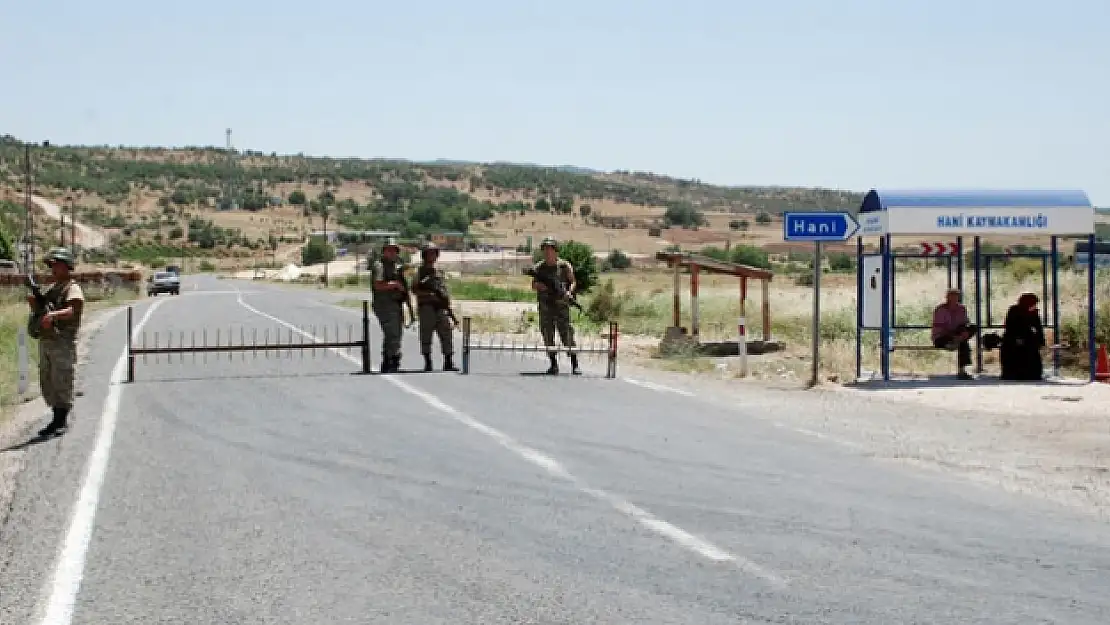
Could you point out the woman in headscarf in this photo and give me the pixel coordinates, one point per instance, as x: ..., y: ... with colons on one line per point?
x: 1022, y: 341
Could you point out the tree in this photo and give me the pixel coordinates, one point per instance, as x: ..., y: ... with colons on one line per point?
x: 563, y: 205
x: 7, y: 252
x: 750, y: 256
x: 543, y: 205
x: 317, y: 251
x: 840, y: 261
x: 762, y: 218
x: 298, y: 198
x: 618, y: 260
x: 683, y: 214
x: 581, y: 257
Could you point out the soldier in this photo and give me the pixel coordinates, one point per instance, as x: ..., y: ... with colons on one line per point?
x: 58, y: 339
x: 434, y: 316
x: 554, y: 312
x: 390, y: 292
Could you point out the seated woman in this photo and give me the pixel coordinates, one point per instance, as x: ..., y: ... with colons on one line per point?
x: 1022, y: 341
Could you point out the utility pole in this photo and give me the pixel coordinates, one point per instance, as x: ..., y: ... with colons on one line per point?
x: 324, y: 214
x: 29, y: 229
x: 73, y: 228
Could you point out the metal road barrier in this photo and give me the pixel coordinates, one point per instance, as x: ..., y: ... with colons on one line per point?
x: 508, y: 345
x: 281, y: 340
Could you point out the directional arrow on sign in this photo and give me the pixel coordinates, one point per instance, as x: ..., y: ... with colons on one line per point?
x: 818, y: 226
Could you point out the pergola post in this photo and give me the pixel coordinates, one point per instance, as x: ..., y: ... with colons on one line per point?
x: 743, y: 295
x: 766, y: 286
x: 677, y: 318
x: 694, y: 321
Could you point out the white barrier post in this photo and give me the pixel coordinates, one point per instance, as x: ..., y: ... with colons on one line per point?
x: 742, y: 345
x: 24, y: 371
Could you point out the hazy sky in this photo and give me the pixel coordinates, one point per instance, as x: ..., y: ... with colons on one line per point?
x: 850, y: 94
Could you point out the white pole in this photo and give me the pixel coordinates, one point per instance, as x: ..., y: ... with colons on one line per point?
x: 742, y: 345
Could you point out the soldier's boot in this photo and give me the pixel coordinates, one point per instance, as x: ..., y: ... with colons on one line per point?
x: 449, y: 363
x: 574, y: 365
x: 387, y: 364
x: 58, y: 424
x: 554, y: 368
x: 396, y: 366
x: 428, y: 362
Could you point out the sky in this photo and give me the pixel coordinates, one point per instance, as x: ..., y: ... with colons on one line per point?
x: 853, y: 94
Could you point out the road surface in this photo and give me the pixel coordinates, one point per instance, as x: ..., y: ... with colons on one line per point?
x: 286, y: 490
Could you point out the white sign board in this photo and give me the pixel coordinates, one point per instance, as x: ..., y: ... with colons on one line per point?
x: 871, y: 223
x: 871, y: 270
x: 1062, y: 220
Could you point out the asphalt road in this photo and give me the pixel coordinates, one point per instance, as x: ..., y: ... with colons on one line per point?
x: 287, y: 490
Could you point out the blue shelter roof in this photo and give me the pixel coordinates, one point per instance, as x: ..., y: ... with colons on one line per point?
x: 876, y: 201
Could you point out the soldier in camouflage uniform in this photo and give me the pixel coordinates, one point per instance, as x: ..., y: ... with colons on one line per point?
x: 57, y: 335
x: 386, y: 276
x: 434, y: 319
x: 555, y: 313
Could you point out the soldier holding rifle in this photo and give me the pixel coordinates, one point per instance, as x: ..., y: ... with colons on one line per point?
x: 390, y: 289
x: 55, y: 320
x: 433, y: 304
x: 554, y: 283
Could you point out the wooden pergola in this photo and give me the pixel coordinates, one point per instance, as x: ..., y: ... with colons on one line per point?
x: 696, y: 263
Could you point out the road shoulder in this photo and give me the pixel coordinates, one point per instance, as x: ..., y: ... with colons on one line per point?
x: 22, y: 420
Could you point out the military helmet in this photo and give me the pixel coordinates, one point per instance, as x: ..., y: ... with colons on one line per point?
x: 60, y: 254
x: 391, y: 242
x: 549, y: 241
x: 430, y: 246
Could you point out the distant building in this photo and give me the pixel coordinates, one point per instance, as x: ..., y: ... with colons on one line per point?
x: 449, y: 240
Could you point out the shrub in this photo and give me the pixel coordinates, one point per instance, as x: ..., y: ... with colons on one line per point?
x: 619, y: 260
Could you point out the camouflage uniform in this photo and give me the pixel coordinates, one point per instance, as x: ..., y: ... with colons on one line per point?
x: 434, y: 319
x: 388, y: 308
x: 554, y: 313
x: 58, y: 347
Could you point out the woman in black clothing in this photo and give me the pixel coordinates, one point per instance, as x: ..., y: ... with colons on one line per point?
x: 1023, y: 340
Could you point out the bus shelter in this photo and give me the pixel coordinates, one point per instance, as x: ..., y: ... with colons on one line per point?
x: 952, y: 217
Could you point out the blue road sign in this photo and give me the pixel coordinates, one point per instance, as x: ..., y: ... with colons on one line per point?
x: 818, y: 226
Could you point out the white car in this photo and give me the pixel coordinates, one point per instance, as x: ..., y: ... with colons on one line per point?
x: 163, y: 282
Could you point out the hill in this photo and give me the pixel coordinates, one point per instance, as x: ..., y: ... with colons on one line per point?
x: 245, y: 203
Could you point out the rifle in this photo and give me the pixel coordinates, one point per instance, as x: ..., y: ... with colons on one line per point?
x: 408, y: 298
x: 442, y: 300
x: 41, y: 307
x: 555, y: 286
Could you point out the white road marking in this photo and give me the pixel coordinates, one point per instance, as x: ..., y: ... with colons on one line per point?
x: 658, y: 387
x: 70, y: 566
x: 553, y: 467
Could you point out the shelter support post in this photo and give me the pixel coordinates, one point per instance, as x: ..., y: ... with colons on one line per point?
x: 859, y: 307
x: 977, y: 264
x: 959, y: 263
x: 1054, y: 250
x: 1092, y: 256
x: 677, y: 316
x: 884, y: 338
x: 694, y: 316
